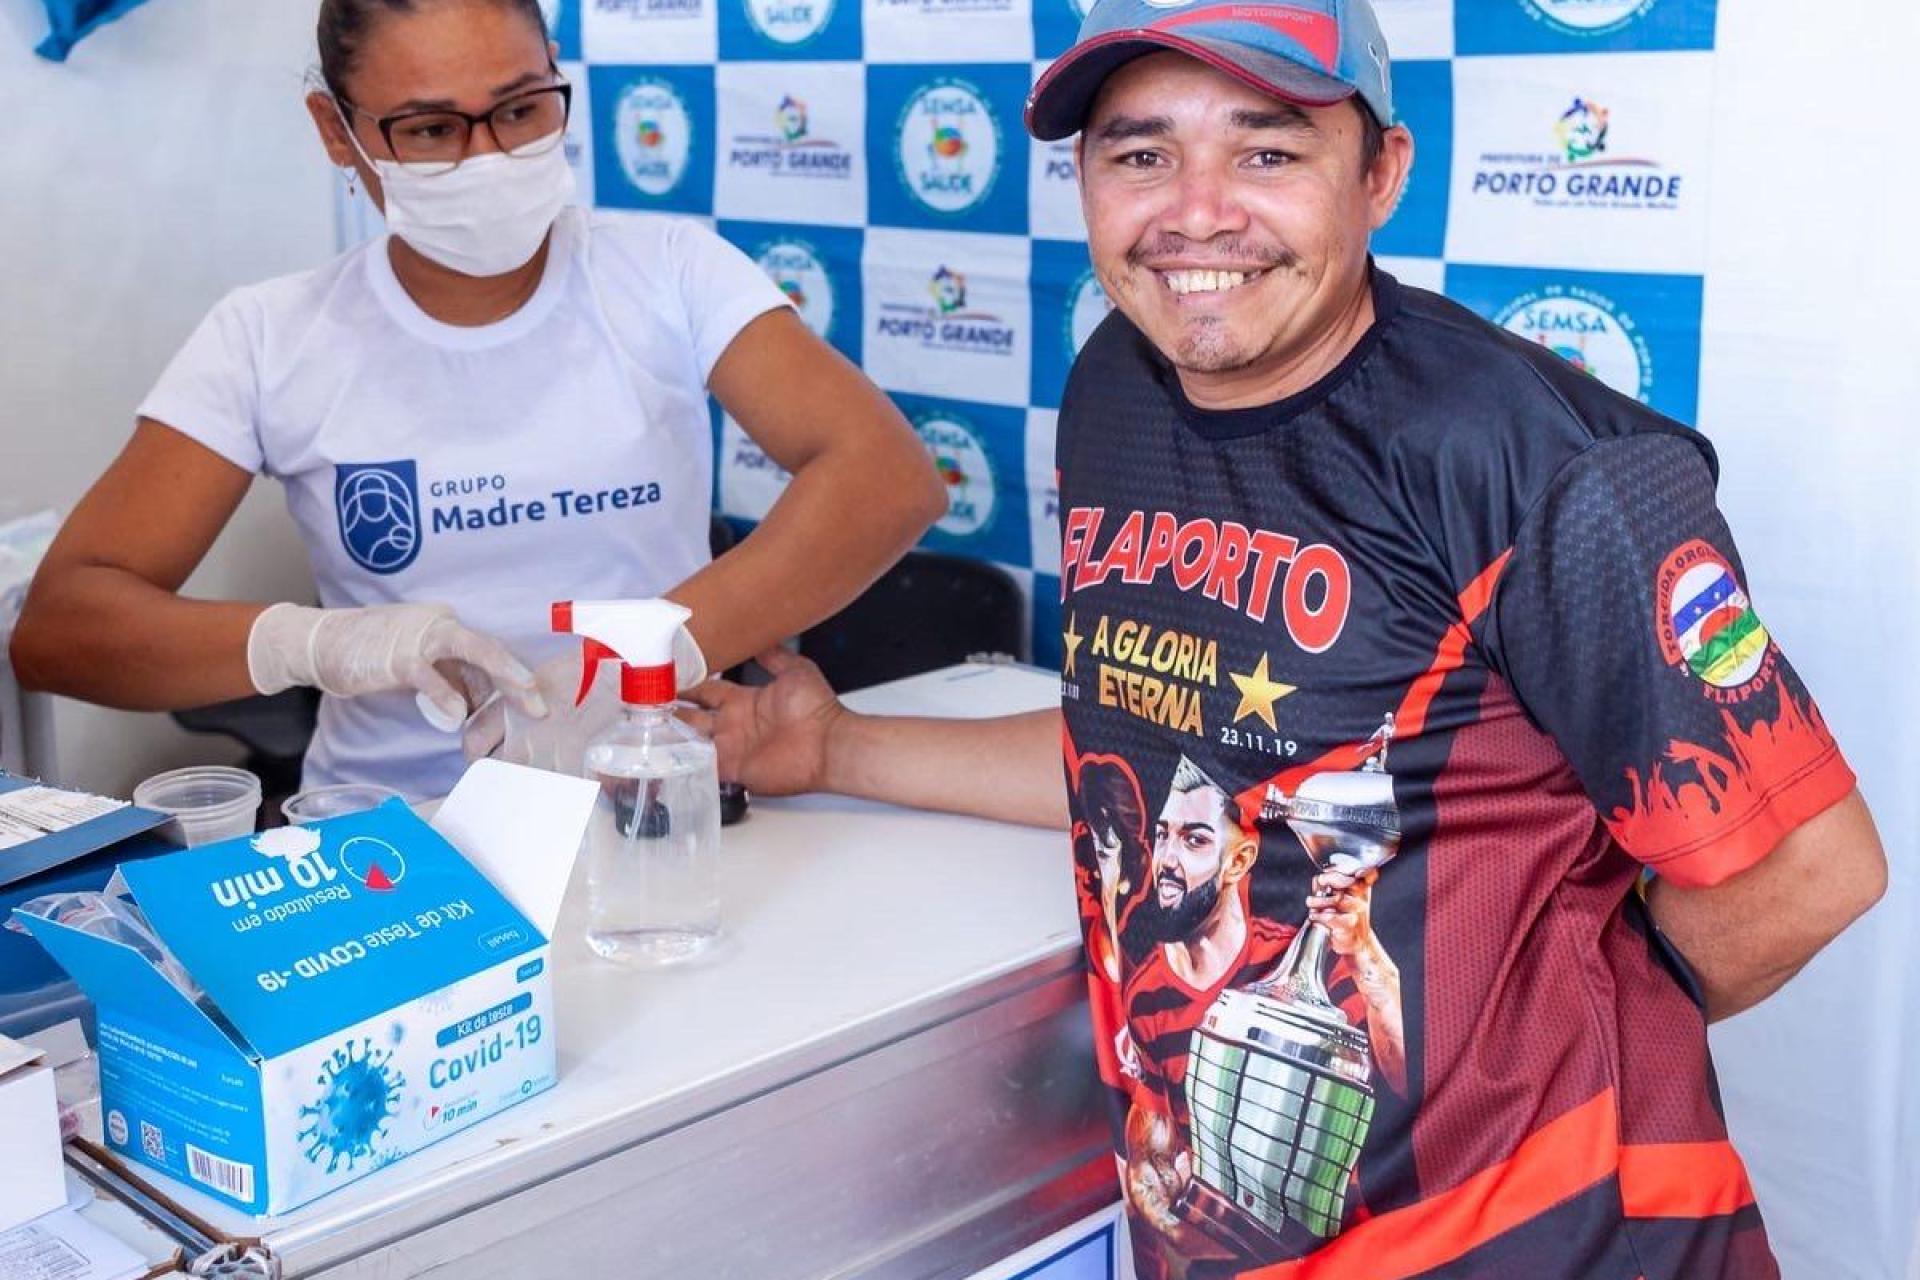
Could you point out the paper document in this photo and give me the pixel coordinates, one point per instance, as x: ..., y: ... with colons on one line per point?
x: 65, y: 1246
x: 33, y: 812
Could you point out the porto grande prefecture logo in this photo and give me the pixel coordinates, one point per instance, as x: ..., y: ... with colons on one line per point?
x: 378, y: 505
x: 947, y: 146
x: 654, y: 132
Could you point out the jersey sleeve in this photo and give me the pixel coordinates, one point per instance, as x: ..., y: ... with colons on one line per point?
x: 1623, y: 623
x: 722, y: 289
x: 210, y: 390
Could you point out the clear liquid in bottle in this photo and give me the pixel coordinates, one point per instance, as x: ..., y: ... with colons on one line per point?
x: 653, y: 874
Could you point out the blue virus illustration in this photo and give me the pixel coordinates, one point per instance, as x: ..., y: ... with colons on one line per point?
x: 359, y: 1093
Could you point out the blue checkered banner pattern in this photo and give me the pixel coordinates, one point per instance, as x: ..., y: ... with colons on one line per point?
x: 869, y: 154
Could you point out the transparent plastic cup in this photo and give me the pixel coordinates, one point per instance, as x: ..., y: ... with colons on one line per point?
x: 317, y: 804
x: 207, y: 802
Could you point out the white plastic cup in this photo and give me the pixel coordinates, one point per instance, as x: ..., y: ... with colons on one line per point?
x: 317, y: 804
x: 208, y: 803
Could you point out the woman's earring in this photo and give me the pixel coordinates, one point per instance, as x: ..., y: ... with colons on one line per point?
x: 352, y: 176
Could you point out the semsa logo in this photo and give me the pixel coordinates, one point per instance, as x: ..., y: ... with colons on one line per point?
x: 800, y: 272
x: 964, y: 467
x: 1087, y: 306
x: 1588, y: 330
x: 790, y: 150
x: 653, y: 130
x: 947, y: 146
x: 1587, y: 17
x: 789, y: 22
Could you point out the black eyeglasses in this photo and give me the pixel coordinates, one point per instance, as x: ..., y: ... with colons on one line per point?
x: 525, y: 125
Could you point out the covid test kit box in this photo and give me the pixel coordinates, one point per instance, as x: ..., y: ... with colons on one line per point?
x: 367, y: 992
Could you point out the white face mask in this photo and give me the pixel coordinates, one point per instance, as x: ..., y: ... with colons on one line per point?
x: 485, y: 217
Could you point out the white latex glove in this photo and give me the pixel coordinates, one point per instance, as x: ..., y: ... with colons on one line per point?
x: 381, y: 648
x: 495, y: 731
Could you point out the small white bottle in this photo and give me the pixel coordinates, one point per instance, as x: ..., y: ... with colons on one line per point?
x: 653, y: 850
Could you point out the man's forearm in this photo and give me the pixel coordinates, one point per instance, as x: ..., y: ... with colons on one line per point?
x: 1744, y: 938
x: 1007, y: 768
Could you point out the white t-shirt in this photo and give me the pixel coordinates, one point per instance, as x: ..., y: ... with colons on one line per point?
x: 565, y: 452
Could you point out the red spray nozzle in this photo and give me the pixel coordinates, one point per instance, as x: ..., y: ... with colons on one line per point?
x: 638, y: 634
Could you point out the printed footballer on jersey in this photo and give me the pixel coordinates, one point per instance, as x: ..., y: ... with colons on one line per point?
x: 1251, y: 1050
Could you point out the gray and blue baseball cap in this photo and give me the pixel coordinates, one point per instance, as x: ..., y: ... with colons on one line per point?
x: 1310, y: 52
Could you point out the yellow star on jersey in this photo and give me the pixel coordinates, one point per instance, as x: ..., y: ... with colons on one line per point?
x: 1072, y: 638
x: 1258, y: 693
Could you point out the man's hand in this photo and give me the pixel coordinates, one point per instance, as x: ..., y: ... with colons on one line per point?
x: 773, y: 738
x: 793, y: 735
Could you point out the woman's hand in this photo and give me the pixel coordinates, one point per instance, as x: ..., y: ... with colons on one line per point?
x: 350, y: 652
x: 774, y: 738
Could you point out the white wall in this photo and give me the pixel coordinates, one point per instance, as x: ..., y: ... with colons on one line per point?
x: 1811, y: 392
x: 168, y: 160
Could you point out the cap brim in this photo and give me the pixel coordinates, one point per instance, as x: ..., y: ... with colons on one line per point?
x: 1058, y: 106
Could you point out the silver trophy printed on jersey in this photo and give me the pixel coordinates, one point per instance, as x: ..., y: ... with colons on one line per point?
x: 1279, y: 1084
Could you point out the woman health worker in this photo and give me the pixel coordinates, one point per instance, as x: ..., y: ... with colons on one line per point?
x: 500, y: 404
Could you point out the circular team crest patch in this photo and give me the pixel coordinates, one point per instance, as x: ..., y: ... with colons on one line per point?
x: 654, y: 131
x: 1705, y: 620
x: 1588, y: 17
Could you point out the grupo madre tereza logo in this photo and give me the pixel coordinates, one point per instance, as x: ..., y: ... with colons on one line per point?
x: 378, y: 505
x: 1582, y: 170
x: 1707, y: 625
x: 653, y: 130
x: 789, y: 22
x: 1587, y: 17
x: 798, y: 270
x: 1588, y: 330
x: 945, y: 321
x: 790, y: 150
x: 383, y: 523
x: 964, y: 467
x: 947, y: 146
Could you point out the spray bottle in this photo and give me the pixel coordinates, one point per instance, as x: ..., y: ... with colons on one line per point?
x: 653, y: 884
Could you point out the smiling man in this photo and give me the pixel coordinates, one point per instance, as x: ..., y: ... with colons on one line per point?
x: 1319, y: 515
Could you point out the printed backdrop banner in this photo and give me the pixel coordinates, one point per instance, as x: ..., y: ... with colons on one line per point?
x: 869, y: 155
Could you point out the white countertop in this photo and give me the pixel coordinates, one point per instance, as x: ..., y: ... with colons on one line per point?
x: 843, y: 921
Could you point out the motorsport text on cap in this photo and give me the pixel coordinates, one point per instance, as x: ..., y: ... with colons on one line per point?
x: 1311, y: 52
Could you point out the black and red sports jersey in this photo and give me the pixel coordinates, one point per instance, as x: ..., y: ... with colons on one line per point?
x: 1457, y: 644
